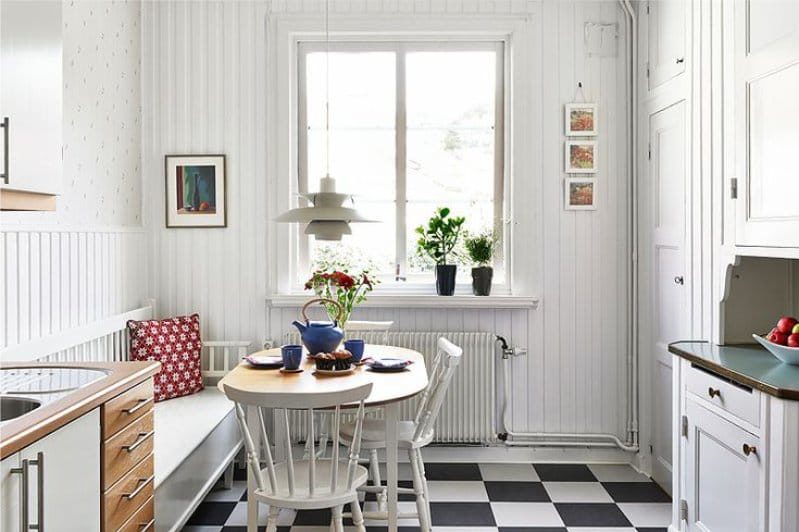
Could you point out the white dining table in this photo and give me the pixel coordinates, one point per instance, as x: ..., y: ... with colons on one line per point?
x: 388, y: 392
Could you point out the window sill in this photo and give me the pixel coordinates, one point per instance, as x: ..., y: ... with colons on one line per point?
x: 421, y: 301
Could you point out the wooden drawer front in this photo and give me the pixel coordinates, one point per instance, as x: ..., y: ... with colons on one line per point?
x: 143, y: 520
x: 126, y: 408
x: 739, y: 401
x: 127, y: 448
x: 128, y: 495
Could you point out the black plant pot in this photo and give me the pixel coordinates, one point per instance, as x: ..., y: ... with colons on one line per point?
x: 445, y: 279
x: 481, y: 280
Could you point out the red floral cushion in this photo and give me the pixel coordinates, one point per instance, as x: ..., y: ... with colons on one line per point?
x: 176, y: 344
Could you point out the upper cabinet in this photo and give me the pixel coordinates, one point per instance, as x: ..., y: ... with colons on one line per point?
x: 667, y: 40
x: 31, y: 96
x: 766, y: 123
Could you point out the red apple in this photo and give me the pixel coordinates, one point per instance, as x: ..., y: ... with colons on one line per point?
x: 785, y: 325
x: 793, y: 340
x: 778, y: 338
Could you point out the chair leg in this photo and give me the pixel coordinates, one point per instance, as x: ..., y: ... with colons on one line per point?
x: 357, y: 516
x: 338, y: 519
x: 374, y: 471
x: 424, y: 484
x: 418, y: 490
x: 271, y: 522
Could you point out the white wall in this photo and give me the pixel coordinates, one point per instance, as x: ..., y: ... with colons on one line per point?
x: 204, y: 76
x: 85, y: 260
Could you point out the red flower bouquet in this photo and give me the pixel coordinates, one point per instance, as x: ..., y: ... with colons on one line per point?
x: 348, y: 290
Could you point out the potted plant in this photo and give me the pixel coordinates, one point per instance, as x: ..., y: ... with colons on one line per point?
x: 480, y: 249
x: 437, y: 241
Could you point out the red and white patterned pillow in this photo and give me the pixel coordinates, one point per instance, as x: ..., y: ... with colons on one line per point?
x: 176, y: 344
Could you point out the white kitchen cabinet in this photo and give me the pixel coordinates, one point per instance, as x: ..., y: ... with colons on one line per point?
x: 10, y: 494
x: 64, y: 485
x: 31, y: 92
x: 766, y: 123
x: 668, y: 23
x: 724, y: 491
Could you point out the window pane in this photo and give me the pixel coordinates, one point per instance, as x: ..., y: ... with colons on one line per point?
x: 362, y: 90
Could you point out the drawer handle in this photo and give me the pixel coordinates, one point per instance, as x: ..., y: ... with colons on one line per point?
x: 749, y: 449
x: 713, y: 393
x: 144, y: 527
x: 141, y: 403
x: 142, y: 484
x: 143, y: 437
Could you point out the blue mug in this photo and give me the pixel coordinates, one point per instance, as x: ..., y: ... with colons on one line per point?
x: 292, y: 356
x: 356, y: 347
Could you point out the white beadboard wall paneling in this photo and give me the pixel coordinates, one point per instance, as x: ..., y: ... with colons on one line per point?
x: 204, y: 91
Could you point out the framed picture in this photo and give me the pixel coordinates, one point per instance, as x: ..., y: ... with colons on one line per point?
x: 581, y: 156
x: 580, y: 194
x: 581, y: 119
x: 195, y: 191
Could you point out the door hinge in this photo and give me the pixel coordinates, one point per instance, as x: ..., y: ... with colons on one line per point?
x: 684, y: 428
x: 734, y: 188
x: 683, y: 510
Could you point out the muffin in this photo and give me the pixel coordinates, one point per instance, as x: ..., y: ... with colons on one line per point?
x: 343, y: 359
x: 338, y: 360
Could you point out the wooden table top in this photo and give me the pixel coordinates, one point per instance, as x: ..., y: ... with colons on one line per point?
x: 388, y: 387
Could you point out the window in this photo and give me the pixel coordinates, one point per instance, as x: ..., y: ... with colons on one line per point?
x: 413, y: 126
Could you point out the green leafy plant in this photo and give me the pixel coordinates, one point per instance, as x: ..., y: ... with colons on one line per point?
x: 480, y: 247
x: 441, y: 235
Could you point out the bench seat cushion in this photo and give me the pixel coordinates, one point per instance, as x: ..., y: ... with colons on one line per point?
x: 181, y: 425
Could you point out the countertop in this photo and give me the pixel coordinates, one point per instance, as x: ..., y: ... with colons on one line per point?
x: 748, y: 364
x: 18, y: 433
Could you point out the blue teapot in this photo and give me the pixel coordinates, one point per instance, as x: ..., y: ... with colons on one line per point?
x: 320, y: 336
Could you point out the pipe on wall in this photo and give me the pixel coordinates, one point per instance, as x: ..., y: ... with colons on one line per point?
x: 527, y: 439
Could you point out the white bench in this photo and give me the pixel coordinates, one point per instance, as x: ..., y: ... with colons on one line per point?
x: 196, y: 436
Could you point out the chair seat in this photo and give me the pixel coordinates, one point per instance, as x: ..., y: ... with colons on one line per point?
x: 374, y: 434
x: 322, y: 497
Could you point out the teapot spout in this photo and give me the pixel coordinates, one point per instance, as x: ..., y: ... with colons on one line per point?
x: 299, y: 325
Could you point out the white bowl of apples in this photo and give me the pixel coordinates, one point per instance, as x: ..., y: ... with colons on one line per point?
x: 783, y: 340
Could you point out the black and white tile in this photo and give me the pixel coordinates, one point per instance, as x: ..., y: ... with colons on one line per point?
x: 485, y: 498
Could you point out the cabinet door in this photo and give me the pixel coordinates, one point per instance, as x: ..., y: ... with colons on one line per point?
x: 10, y: 493
x: 667, y: 33
x: 31, y: 94
x: 766, y: 111
x: 723, y: 487
x: 64, y: 486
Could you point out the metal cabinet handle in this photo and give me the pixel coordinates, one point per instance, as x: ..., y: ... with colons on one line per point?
x: 24, y: 507
x: 23, y: 492
x: 143, y: 437
x: 142, y: 484
x: 6, y: 133
x: 713, y: 392
x: 39, y: 463
x: 144, y: 527
x: 141, y: 403
x: 749, y: 449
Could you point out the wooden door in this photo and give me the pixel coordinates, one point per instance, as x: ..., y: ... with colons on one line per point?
x: 665, y: 216
x: 667, y: 33
x: 723, y: 483
x: 766, y: 111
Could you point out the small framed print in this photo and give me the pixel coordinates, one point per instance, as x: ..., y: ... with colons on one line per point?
x: 581, y: 119
x: 195, y: 191
x: 581, y: 156
x: 580, y: 194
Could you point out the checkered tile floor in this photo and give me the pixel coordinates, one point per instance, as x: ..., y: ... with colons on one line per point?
x: 486, y: 498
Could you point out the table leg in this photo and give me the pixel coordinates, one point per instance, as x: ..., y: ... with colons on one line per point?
x: 392, y: 418
x: 252, y: 504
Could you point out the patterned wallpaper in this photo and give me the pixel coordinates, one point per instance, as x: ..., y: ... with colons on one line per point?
x: 102, y: 116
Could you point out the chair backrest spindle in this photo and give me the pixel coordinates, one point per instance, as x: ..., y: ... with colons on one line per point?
x: 447, y: 359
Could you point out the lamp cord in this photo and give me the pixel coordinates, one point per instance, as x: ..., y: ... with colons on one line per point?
x: 327, y: 88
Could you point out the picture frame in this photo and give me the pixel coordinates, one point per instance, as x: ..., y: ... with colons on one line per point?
x: 196, y: 194
x: 580, y: 156
x: 579, y: 194
x: 580, y: 119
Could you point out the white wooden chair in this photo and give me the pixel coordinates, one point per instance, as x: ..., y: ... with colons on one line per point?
x: 413, y: 435
x: 305, y: 484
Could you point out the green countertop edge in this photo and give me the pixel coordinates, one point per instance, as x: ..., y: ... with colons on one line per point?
x: 747, y: 364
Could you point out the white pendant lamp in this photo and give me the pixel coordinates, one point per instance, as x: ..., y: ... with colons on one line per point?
x: 327, y: 219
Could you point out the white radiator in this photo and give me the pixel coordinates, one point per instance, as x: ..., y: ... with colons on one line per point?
x: 469, y: 410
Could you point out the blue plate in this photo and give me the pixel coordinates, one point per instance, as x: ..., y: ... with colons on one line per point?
x: 264, y: 362
x: 389, y: 365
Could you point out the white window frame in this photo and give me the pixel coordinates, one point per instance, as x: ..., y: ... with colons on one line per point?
x: 523, y: 94
x: 411, y: 281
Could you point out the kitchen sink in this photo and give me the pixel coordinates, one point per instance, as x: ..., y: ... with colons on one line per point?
x: 13, y: 407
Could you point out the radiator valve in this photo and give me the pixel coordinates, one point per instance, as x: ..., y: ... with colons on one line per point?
x: 507, y: 351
